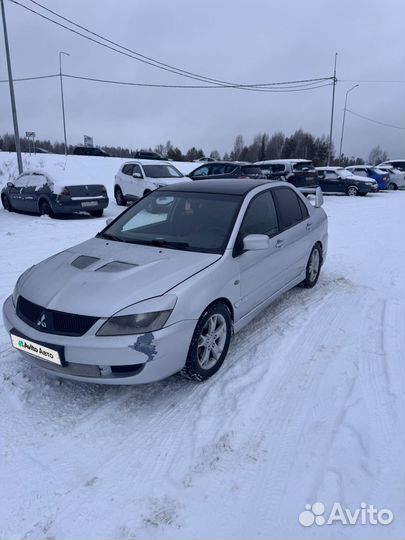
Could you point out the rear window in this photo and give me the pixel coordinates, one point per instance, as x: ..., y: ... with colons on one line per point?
x: 398, y: 165
x: 303, y: 166
x: 291, y: 209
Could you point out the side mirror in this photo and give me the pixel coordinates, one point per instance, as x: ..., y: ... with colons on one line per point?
x: 254, y: 242
x: 10, y: 184
x: 109, y: 220
x: 318, y: 197
x: 137, y: 175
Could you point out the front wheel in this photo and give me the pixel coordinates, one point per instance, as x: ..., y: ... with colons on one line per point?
x: 209, y: 344
x: 313, y: 268
x: 119, y: 197
x: 392, y: 186
x: 352, y: 191
x: 96, y: 213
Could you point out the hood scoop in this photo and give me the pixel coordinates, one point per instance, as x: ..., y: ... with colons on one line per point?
x: 116, y: 266
x: 83, y: 261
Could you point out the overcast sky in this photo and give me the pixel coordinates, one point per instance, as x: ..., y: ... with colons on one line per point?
x: 240, y: 41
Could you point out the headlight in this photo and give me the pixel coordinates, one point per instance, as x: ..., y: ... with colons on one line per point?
x: 146, y: 316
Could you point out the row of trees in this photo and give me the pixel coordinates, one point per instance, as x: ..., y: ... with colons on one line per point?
x: 300, y: 144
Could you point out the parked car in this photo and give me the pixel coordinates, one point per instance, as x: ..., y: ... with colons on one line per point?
x: 205, y: 159
x: 396, y: 177
x: 164, y: 286
x: 368, y: 171
x: 135, y: 179
x: 298, y: 172
x: 143, y: 154
x: 41, y: 192
x: 338, y: 180
x: 226, y: 169
x: 397, y: 163
x: 89, y: 151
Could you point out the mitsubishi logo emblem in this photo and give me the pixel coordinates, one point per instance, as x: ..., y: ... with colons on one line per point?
x: 41, y: 321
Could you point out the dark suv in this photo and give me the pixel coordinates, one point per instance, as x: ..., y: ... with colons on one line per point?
x: 89, y: 151
x: 143, y: 154
x: 226, y: 169
x: 298, y: 172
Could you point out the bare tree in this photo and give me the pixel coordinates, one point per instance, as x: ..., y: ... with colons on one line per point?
x: 377, y: 155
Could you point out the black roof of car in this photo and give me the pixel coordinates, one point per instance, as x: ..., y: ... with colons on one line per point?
x: 228, y: 186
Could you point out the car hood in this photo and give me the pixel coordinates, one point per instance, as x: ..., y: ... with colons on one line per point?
x: 168, y: 181
x: 100, y: 277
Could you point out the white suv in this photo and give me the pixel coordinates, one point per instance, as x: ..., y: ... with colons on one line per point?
x: 137, y: 178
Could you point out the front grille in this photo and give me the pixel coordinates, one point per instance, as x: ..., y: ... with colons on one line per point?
x: 51, y: 321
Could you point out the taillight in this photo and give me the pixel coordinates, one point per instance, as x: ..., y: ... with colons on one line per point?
x: 65, y: 191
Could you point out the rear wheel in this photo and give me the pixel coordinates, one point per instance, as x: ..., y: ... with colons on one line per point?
x: 96, y: 213
x: 352, y: 191
x: 119, y: 197
x: 392, y: 186
x: 209, y: 344
x: 313, y: 268
x: 45, y: 208
x: 6, y: 203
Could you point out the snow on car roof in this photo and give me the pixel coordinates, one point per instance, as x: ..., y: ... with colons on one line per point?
x: 68, y: 173
x: 290, y: 160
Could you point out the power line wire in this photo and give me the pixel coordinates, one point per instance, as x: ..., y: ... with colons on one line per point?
x: 134, y: 55
x: 375, y: 121
x: 284, y: 89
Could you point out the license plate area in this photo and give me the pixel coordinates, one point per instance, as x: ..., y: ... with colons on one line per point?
x: 43, y: 351
x: 89, y: 204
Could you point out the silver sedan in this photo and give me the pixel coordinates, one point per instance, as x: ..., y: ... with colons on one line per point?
x: 165, y: 285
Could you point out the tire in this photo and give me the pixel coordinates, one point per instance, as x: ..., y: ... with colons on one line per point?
x: 96, y: 213
x: 201, y: 363
x: 6, y: 203
x: 352, y: 191
x: 392, y: 186
x: 45, y: 208
x: 119, y: 197
x: 311, y: 273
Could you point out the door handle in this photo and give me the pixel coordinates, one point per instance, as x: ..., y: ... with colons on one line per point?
x: 279, y: 244
x: 309, y: 227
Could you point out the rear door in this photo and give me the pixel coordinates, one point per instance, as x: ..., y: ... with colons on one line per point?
x: 295, y: 232
x: 125, y: 178
x: 16, y: 193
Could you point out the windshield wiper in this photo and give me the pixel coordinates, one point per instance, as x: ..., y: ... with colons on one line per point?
x: 108, y: 236
x: 161, y: 242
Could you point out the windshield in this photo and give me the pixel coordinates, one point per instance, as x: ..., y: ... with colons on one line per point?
x: 303, y: 166
x: 161, y: 171
x: 178, y: 220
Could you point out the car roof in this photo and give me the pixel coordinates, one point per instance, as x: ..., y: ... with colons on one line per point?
x: 328, y: 168
x: 221, y: 162
x: 229, y: 186
x: 291, y: 160
x: 147, y: 162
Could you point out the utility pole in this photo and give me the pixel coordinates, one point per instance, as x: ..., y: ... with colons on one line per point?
x: 332, y: 111
x: 12, y: 97
x: 343, y: 123
x: 61, y: 94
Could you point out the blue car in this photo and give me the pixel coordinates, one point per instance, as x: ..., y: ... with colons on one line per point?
x: 381, y: 177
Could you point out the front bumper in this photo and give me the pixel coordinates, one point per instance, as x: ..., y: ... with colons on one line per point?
x: 136, y: 359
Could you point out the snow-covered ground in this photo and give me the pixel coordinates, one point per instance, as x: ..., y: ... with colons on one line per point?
x: 309, y: 406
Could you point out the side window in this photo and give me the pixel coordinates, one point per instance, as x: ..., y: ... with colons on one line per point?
x: 229, y: 168
x: 321, y: 175
x: 277, y: 167
x: 127, y: 169
x: 260, y: 217
x: 331, y: 175
x: 217, y: 169
x: 290, y: 208
x: 202, y: 171
x: 137, y: 169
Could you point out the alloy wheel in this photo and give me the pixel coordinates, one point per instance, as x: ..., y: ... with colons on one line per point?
x: 211, y: 341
